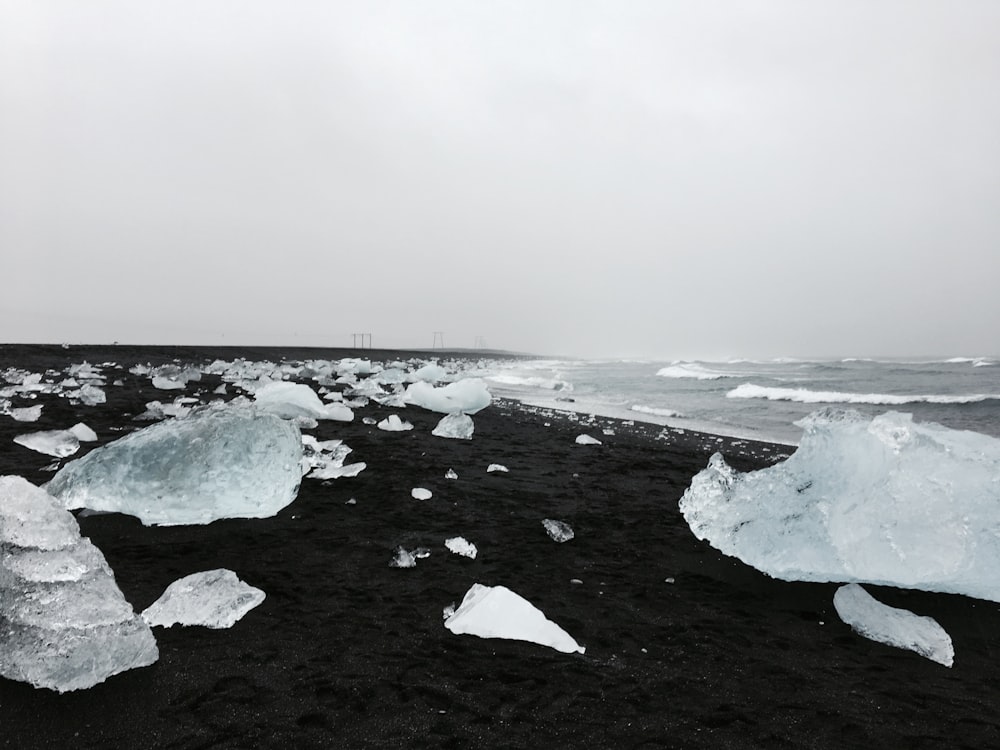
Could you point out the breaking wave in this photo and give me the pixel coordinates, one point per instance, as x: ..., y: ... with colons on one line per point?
x: 693, y: 370
x: 805, y: 396
x: 657, y: 412
x: 550, y: 384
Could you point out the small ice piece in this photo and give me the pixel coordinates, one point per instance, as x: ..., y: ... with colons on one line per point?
x: 559, y: 531
x: 83, y: 433
x: 58, y: 443
x: 461, y: 546
x: 90, y: 395
x: 213, y: 598
x: 393, y: 423
x: 895, y: 627
x: 228, y: 462
x: 451, y: 474
x: 402, y: 558
x: 497, y: 612
x: 420, y: 493
x: 338, y: 472
x: 496, y: 467
x: 369, y: 420
x: 468, y: 396
x: 587, y: 440
x: 166, y: 383
x: 27, y: 413
x: 221, y: 390
x: 458, y: 426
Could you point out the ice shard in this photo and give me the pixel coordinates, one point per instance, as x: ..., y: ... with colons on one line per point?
x: 212, y: 598
x: 229, y: 462
x: 58, y: 443
x: 457, y: 426
x: 64, y: 624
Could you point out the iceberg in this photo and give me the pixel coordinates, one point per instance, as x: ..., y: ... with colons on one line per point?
x: 65, y: 623
x: 467, y: 396
x: 895, y: 627
x: 457, y: 426
x: 883, y: 500
x: 558, y: 531
x: 497, y: 612
x: 228, y: 462
x: 58, y: 443
x: 213, y: 599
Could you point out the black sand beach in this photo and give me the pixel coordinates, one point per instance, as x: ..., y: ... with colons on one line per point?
x: 348, y: 652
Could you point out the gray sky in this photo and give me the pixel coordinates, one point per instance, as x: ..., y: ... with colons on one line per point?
x: 661, y: 179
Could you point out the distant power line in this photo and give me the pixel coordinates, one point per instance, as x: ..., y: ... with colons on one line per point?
x: 362, y: 336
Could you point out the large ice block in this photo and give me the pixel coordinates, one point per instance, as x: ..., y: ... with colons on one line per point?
x: 230, y: 462
x: 467, y: 396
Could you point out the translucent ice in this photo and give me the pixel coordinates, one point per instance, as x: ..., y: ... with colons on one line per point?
x: 216, y: 463
x: 458, y: 426
x: 451, y: 474
x: 892, y: 626
x: 558, y: 531
x: 58, y: 443
x: 393, y: 423
x: 881, y: 500
x: 83, y: 433
x: 66, y: 625
x: 212, y: 598
x: 290, y: 400
x: 587, y: 440
x: 497, y: 612
x: 468, y: 396
x: 402, y: 558
x: 461, y: 546
x: 27, y: 413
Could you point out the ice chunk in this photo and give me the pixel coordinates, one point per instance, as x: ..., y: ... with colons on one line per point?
x: 461, y: 546
x: 892, y: 626
x: 89, y: 395
x: 402, y: 558
x: 881, y: 500
x: 468, y: 396
x: 216, y: 463
x: 212, y: 598
x: 58, y: 443
x: 165, y: 383
x: 497, y: 612
x: 290, y: 400
x: 430, y: 373
x: 27, y: 413
x: 393, y: 423
x: 66, y: 625
x: 83, y: 433
x: 336, y: 472
x: 458, y: 426
x: 587, y: 440
x: 559, y: 531
x: 496, y: 467
x: 420, y: 493
x: 451, y: 474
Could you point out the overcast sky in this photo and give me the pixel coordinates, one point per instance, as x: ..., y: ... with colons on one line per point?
x: 659, y: 179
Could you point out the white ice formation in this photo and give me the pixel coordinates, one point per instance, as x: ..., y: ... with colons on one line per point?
x: 64, y: 622
x: 467, y: 396
x: 461, y: 546
x: 27, y: 413
x: 451, y: 474
x: 881, y: 500
x: 493, y: 468
x: 421, y: 493
x: 291, y: 400
x: 558, y: 531
x: 894, y: 627
x: 83, y: 433
x: 58, y: 443
x: 457, y: 426
x: 393, y: 423
x: 215, y: 463
x: 587, y: 440
x: 497, y: 612
x: 212, y: 598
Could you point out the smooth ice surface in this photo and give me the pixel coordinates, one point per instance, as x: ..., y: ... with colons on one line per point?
x: 587, y: 440
x: 492, y: 468
x: 83, y: 433
x: 215, y: 463
x: 65, y: 624
x: 393, y: 423
x: 881, y: 500
x: 58, y: 443
x: 894, y: 627
x: 461, y: 546
x: 457, y: 426
x: 421, y: 493
x: 497, y: 612
x: 212, y: 598
x: 467, y: 396
x: 559, y: 531
x: 291, y: 400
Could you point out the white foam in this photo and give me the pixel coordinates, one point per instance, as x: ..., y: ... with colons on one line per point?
x: 806, y: 396
x: 692, y: 370
x: 655, y: 411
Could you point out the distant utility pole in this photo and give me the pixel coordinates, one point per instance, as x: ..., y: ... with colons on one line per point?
x: 438, y: 340
x: 363, y: 336
x: 480, y: 342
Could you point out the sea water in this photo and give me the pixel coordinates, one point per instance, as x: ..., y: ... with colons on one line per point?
x: 759, y: 399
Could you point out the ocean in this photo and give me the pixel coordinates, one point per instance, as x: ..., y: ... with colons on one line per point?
x: 761, y: 400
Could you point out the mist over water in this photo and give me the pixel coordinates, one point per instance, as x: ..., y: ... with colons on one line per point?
x: 762, y: 399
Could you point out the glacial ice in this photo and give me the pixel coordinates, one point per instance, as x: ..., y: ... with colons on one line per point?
x: 83, y: 433
x: 393, y: 423
x: 587, y: 440
x: 402, y: 558
x: 26, y: 413
x: 461, y: 546
x: 58, y: 443
x: 468, y: 396
x: 212, y: 598
x: 421, y: 493
x: 894, y: 627
x: 883, y: 500
x: 65, y: 622
x: 336, y: 472
x: 497, y: 612
x: 215, y: 463
x: 558, y: 531
x: 291, y: 400
x: 493, y: 468
x: 451, y: 474
x: 457, y: 426
x: 429, y: 373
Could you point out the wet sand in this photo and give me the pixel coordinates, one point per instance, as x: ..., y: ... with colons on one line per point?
x: 685, y: 647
